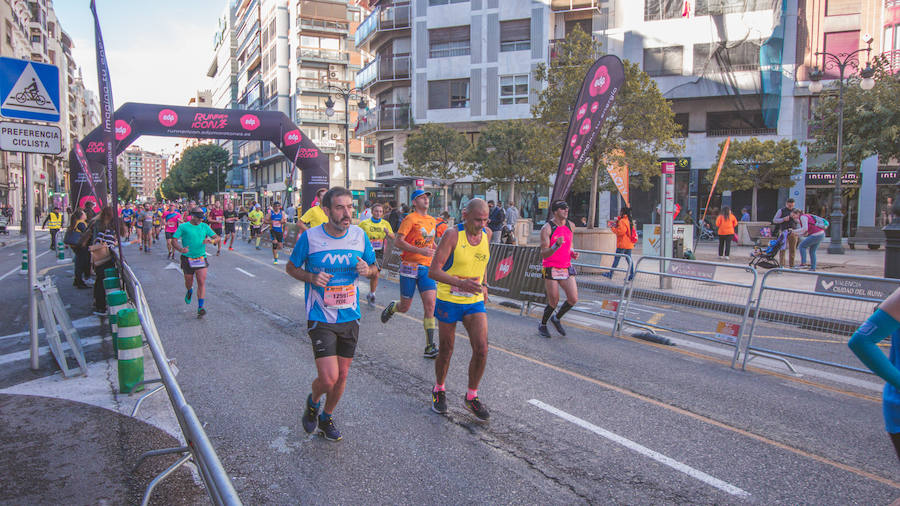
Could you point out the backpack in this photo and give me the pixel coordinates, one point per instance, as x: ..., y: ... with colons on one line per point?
x: 821, y: 222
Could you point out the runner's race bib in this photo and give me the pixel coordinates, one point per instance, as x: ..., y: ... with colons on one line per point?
x: 340, y: 297
x: 377, y: 243
x: 276, y: 224
x: 408, y: 270
x: 197, y: 263
x: 459, y: 292
x: 560, y: 274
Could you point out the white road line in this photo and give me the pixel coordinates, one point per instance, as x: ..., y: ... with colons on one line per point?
x: 18, y: 268
x: 245, y: 272
x: 631, y: 445
x: 43, y: 350
x: 87, y: 321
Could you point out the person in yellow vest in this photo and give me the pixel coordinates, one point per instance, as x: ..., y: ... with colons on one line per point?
x: 314, y: 216
x: 54, y: 219
x: 459, y: 267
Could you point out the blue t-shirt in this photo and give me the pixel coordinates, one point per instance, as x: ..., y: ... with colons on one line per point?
x: 316, y: 252
x: 126, y: 215
x: 277, y: 219
x: 891, y: 403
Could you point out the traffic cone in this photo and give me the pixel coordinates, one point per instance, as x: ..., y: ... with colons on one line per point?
x: 130, y: 350
x: 116, y: 301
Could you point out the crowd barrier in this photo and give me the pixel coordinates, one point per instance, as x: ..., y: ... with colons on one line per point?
x: 198, y: 448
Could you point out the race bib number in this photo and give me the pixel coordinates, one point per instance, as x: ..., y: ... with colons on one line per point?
x: 409, y: 270
x: 276, y: 224
x: 560, y: 274
x: 197, y: 263
x: 459, y: 292
x: 340, y: 297
x: 377, y: 243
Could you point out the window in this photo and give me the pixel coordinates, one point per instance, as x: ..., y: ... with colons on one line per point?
x: 663, y: 61
x: 514, y: 89
x: 718, y: 7
x: 718, y: 57
x: 9, y: 33
x: 385, y: 151
x: 840, y: 7
x: 453, y: 41
x: 449, y: 94
x: 663, y: 9
x: 445, y: 2
x: 682, y: 120
x: 840, y: 43
x: 515, y: 35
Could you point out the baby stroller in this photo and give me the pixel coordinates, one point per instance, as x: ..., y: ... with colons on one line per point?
x: 765, y: 258
x: 4, y: 222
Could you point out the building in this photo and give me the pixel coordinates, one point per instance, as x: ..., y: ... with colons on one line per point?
x: 145, y: 171
x: 223, y: 71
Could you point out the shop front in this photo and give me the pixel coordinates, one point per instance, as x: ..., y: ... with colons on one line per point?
x: 820, y: 195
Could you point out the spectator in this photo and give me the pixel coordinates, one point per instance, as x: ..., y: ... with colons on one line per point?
x: 745, y: 214
x: 78, y: 228
x: 512, y: 217
x: 100, y: 238
x: 291, y: 213
x: 496, y: 217
x: 814, y: 236
x: 582, y: 222
x: 367, y: 212
x: 784, y: 221
x: 396, y: 215
x: 443, y: 221
x: 624, y: 230
x: 89, y: 212
x: 725, y: 223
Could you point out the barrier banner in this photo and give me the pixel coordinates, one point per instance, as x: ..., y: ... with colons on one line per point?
x: 504, y: 271
x: 598, y: 91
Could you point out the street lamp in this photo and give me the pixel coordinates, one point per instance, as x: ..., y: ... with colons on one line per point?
x: 840, y: 62
x: 218, y: 166
x: 329, y: 111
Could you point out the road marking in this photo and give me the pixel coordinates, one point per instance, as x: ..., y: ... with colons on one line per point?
x: 43, y: 350
x: 87, y: 321
x: 171, y: 265
x: 17, y: 269
x: 643, y: 450
x: 245, y: 272
x: 653, y: 320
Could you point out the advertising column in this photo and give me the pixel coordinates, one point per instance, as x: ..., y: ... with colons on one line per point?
x: 667, y: 210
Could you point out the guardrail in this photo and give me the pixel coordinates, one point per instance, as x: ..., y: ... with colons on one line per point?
x: 198, y: 448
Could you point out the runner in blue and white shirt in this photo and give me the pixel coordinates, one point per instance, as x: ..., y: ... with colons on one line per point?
x: 330, y: 259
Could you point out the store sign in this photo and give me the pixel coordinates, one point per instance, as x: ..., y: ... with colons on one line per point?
x: 827, y: 179
x: 887, y: 177
x: 681, y: 162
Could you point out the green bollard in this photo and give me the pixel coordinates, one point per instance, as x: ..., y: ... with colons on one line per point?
x: 60, y: 252
x: 130, y: 350
x: 24, y: 269
x: 112, y: 272
x: 115, y: 301
x: 111, y: 285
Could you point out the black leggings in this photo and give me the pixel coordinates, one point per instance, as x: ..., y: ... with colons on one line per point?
x: 725, y: 245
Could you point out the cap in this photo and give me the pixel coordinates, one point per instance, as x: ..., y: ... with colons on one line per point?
x: 276, y: 204
x: 197, y: 212
x: 559, y: 204
x: 418, y: 193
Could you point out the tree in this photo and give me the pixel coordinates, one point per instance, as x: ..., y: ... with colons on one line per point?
x: 871, y: 119
x: 640, y: 122
x: 191, y: 174
x: 512, y: 152
x: 125, y: 191
x: 437, y: 152
x: 755, y: 164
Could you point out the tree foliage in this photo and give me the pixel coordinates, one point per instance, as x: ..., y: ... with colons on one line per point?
x: 124, y: 190
x: 640, y: 122
x: 512, y: 152
x: 438, y: 152
x: 753, y: 165
x: 871, y: 119
x: 191, y: 174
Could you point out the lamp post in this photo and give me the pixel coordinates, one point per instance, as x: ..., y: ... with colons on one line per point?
x: 217, y: 166
x: 346, y: 94
x: 840, y: 62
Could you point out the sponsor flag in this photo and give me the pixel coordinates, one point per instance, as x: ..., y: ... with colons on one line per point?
x: 80, y: 196
x: 598, y: 91
x: 619, y: 175
x: 716, y: 178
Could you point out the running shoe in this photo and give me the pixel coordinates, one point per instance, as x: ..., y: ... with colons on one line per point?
x: 388, y: 312
x: 370, y: 298
x: 257, y: 247
x: 542, y: 331
x: 431, y: 351
x: 99, y: 313
x: 439, y: 402
x: 187, y: 296
x: 201, y: 312
x: 310, y: 415
x: 328, y: 430
x: 230, y: 248
x: 275, y: 262
x: 558, y: 325
x: 477, y: 408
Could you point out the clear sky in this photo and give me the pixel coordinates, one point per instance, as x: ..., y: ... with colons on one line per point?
x: 158, y: 51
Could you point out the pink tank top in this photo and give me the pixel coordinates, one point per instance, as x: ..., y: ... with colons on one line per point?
x: 562, y: 257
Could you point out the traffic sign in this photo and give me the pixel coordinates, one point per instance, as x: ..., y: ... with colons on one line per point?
x: 30, y: 138
x: 29, y: 90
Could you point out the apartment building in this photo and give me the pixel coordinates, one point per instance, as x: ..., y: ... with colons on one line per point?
x: 224, y: 93
x: 145, y: 170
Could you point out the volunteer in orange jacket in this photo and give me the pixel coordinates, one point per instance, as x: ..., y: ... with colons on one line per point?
x: 625, y: 239
x: 726, y: 222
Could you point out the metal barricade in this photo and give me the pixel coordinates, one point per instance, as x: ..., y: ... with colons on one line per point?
x: 198, y: 448
x: 810, y: 316
x: 704, y: 300
x: 601, y: 287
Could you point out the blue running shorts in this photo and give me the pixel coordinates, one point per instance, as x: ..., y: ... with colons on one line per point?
x: 422, y: 281
x: 451, y: 312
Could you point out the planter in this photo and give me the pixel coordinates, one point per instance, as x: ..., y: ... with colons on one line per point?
x: 602, y: 240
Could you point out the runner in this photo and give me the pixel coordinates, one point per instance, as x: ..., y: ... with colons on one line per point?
x: 459, y: 267
x: 172, y: 220
x: 242, y: 219
x: 145, y: 227
x: 157, y: 221
x: 557, y: 254
x: 216, y: 222
x: 329, y: 259
x: 443, y: 221
x: 276, y: 233
x: 196, y: 235
x: 127, y: 217
x: 256, y: 218
x: 376, y: 230
x: 415, y: 238
x: 231, y: 218
x: 314, y: 216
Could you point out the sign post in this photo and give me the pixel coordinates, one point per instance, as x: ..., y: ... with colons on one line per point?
x: 667, y: 211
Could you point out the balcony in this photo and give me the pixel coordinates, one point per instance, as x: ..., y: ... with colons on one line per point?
x: 323, y: 25
x: 892, y: 58
x: 322, y: 55
x: 317, y: 115
x: 741, y: 132
x: 385, y: 118
x: 383, y: 18
x: 320, y: 85
x: 391, y: 68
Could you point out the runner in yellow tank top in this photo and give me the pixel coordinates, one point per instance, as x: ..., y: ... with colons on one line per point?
x: 459, y: 266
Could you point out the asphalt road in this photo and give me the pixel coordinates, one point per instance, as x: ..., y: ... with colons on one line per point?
x: 587, y: 418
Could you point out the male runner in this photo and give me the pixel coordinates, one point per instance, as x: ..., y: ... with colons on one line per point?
x: 231, y: 219
x: 329, y: 259
x: 459, y: 267
x: 415, y: 238
x: 216, y: 223
x: 557, y: 254
x: 127, y: 217
x: 376, y: 230
x: 196, y: 235
x: 256, y: 218
x: 275, y: 219
x: 314, y: 216
x: 157, y: 221
x: 172, y: 219
x: 145, y: 227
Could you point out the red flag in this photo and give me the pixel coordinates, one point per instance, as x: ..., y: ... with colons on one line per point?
x: 716, y: 178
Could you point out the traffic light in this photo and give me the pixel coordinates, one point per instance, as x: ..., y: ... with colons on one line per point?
x: 290, y: 188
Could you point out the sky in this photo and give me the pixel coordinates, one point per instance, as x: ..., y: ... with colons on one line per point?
x: 158, y: 51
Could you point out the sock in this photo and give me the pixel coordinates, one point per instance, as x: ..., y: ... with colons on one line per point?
x: 257, y: 242
x: 548, y: 312
x: 471, y: 394
x: 563, y: 310
x: 200, y: 303
x: 314, y: 405
x: 438, y: 388
x: 429, y: 325
x: 393, y: 306
x: 323, y: 416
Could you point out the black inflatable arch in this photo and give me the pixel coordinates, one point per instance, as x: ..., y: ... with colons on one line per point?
x: 134, y: 119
